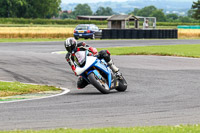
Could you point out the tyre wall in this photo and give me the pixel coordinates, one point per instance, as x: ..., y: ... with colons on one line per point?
x: 139, y: 34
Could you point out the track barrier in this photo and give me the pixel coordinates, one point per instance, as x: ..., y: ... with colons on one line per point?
x: 139, y: 34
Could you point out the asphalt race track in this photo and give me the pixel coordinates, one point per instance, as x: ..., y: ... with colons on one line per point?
x: 161, y: 90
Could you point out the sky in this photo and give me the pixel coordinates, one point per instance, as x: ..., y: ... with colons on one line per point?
x: 93, y: 1
x: 88, y: 1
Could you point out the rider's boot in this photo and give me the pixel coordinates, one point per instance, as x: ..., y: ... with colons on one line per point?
x: 81, y: 83
x: 114, y: 68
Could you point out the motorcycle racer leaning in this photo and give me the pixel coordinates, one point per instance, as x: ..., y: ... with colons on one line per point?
x: 72, y: 47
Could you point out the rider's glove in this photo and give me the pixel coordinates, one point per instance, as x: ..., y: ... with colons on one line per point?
x: 93, y: 50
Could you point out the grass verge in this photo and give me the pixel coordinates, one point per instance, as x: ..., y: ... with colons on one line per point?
x: 191, y: 50
x: 153, y: 129
x: 17, y: 88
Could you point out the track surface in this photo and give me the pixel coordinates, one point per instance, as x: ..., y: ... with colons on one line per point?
x: 161, y: 91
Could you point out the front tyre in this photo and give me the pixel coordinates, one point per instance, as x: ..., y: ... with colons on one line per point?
x: 122, y: 84
x: 101, y: 85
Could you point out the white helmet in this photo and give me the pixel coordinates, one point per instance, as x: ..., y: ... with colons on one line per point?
x: 70, y: 44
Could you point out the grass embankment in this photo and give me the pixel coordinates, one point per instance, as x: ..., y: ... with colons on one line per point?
x: 153, y: 129
x: 16, y: 88
x: 190, y: 50
x: 165, y: 50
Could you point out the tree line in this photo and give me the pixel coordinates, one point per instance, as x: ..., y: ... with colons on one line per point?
x: 50, y: 8
x: 29, y: 8
x: 84, y: 9
x: 193, y: 15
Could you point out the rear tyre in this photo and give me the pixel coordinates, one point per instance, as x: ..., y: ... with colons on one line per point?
x: 99, y: 84
x: 122, y: 84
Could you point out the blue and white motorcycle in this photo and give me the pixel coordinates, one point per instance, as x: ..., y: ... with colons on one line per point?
x: 97, y: 73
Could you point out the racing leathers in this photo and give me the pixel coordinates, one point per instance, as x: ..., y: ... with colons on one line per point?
x: 82, y: 46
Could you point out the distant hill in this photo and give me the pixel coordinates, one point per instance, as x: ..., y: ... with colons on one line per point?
x: 169, y: 6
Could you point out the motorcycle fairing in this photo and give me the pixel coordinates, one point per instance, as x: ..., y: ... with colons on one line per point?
x: 88, y: 64
x: 104, y: 69
x: 93, y: 61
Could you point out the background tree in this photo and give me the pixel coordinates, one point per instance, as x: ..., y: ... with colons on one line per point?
x: 29, y: 8
x: 150, y: 11
x: 20, y: 8
x: 171, y: 17
x: 135, y: 12
x: 64, y: 15
x: 12, y: 8
x: 67, y: 16
x: 42, y: 8
x: 185, y: 19
x: 82, y: 9
x: 101, y: 11
x: 160, y: 16
x: 146, y: 11
x: 190, y: 13
x: 5, y: 6
x: 196, y: 8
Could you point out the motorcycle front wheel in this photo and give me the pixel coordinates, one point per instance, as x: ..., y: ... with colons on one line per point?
x: 101, y: 85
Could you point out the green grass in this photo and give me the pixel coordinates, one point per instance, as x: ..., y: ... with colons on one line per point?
x: 153, y: 129
x: 164, y: 50
x: 16, y: 88
x: 190, y: 50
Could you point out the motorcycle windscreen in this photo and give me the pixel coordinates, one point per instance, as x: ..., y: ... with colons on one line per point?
x: 80, y: 58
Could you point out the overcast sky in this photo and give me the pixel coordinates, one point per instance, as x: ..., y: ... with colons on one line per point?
x: 88, y: 1
x: 93, y: 1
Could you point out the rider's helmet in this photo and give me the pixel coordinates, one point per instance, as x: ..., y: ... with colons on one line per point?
x: 70, y: 44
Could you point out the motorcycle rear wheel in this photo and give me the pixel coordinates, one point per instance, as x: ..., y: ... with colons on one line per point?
x: 96, y: 82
